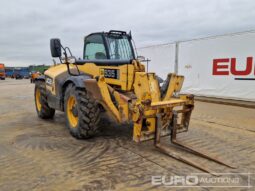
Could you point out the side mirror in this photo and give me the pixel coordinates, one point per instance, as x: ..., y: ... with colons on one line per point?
x: 55, y: 47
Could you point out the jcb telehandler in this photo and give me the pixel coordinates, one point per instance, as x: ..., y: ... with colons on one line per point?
x: 111, y: 79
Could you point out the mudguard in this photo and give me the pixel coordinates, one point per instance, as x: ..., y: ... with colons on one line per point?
x: 57, y: 101
x: 78, y: 81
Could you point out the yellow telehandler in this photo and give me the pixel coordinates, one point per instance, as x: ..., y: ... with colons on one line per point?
x: 111, y: 79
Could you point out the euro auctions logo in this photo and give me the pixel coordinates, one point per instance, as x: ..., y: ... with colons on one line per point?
x: 230, y: 66
x: 174, y: 181
x: 220, y: 180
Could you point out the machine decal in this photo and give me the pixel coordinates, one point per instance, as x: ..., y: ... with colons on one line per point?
x: 110, y: 73
x: 49, y: 81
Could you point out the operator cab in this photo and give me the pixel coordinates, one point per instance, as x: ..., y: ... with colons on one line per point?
x: 112, y: 45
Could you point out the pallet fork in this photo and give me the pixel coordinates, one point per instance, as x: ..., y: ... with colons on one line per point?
x: 173, y: 138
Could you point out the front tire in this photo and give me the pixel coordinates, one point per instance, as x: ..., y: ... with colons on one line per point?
x: 81, y: 112
x: 42, y: 108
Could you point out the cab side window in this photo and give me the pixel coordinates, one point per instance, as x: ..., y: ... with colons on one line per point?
x: 94, y: 48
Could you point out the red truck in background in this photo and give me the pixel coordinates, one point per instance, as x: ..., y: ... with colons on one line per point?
x: 2, y: 72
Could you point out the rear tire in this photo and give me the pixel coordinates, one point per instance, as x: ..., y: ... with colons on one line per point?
x: 41, y: 105
x: 81, y: 112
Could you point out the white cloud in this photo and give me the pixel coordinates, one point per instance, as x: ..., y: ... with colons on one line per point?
x: 27, y: 25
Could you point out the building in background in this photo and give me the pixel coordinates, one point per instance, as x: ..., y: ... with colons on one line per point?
x: 24, y: 72
x: 38, y: 68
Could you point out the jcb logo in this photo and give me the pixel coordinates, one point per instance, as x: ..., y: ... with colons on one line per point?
x: 227, y: 66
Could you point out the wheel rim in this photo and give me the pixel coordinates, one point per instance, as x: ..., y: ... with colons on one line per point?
x: 72, y: 117
x: 38, y: 99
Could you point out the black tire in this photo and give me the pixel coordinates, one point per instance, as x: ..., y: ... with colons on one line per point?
x: 45, y: 112
x: 87, y: 111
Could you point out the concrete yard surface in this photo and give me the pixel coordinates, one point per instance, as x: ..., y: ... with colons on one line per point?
x: 38, y: 154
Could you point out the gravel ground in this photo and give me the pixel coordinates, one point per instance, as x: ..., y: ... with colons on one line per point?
x: 41, y: 155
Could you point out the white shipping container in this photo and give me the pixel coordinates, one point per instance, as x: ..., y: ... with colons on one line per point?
x: 220, y: 66
x: 227, y: 57
x: 162, y: 58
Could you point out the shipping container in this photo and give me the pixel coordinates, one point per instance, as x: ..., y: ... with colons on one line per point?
x: 220, y: 66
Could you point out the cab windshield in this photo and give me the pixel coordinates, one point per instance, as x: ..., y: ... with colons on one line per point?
x: 108, y: 46
x: 119, y: 47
